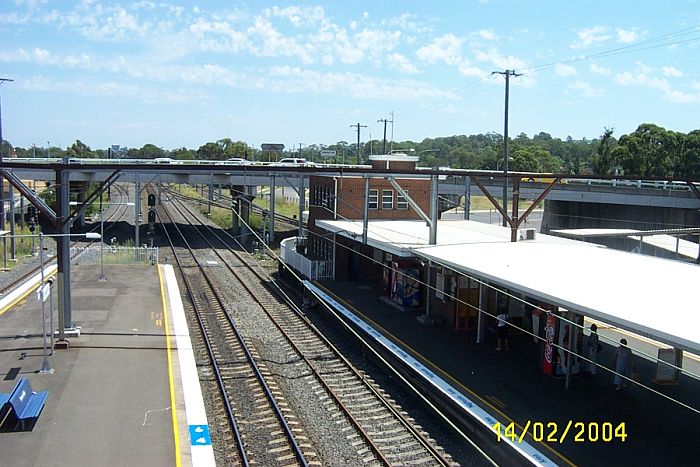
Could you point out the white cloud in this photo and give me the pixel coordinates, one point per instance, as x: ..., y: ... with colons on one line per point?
x: 494, y: 57
x: 402, y: 63
x: 642, y: 77
x: 564, y: 70
x: 148, y: 94
x: 219, y: 36
x: 299, y: 16
x: 627, y: 36
x: 409, y: 22
x: 295, y: 80
x: 446, y: 48
x: 586, y: 89
x: 467, y: 69
x: 271, y: 43
x: 587, y: 37
x: 599, y: 70
x: 487, y: 34
x: 672, y: 72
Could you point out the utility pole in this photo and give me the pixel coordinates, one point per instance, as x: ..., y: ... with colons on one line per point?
x: 2, y: 180
x: 391, y: 148
x: 507, y: 74
x: 384, y: 120
x: 357, y: 127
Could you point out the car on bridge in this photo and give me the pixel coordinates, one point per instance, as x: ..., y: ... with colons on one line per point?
x: 234, y: 161
x: 293, y: 162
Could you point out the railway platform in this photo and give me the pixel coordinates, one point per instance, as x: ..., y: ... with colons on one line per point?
x: 512, y: 387
x: 126, y: 390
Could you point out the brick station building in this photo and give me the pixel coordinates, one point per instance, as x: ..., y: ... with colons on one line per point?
x: 343, y: 198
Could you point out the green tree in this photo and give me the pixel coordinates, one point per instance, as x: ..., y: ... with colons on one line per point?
x: 183, y: 154
x: 603, y: 162
x: 688, y: 162
x: 80, y: 150
x: 151, y: 151
x: 210, y: 152
x: 652, y: 151
x: 524, y: 160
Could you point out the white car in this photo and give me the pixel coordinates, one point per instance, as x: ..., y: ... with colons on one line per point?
x: 294, y: 162
x: 234, y: 161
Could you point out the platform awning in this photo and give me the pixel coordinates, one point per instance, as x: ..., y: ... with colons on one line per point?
x: 652, y: 297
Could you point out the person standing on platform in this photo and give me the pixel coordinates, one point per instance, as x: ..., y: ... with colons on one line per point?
x: 622, y: 362
x: 592, y: 346
x: 502, y: 330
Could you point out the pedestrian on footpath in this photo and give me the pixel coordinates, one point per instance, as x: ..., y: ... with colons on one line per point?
x: 502, y: 330
x: 622, y: 362
x: 593, y: 347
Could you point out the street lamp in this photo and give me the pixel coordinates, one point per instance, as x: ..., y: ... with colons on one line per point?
x: 44, y: 290
x: 498, y: 161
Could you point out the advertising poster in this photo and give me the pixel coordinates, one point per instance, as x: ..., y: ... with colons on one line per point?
x: 550, y: 327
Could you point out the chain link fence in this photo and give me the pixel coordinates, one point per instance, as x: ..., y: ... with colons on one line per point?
x: 114, y: 255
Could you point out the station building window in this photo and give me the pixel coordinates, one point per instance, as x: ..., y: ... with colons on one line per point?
x: 388, y: 199
x: 401, y: 202
x: 373, y: 201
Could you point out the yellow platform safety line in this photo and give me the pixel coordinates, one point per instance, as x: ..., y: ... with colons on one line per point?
x: 23, y: 296
x: 444, y: 374
x: 176, y: 429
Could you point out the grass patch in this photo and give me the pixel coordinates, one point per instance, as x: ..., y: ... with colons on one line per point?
x: 23, y: 247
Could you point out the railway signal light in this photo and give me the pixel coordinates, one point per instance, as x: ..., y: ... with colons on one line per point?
x: 151, y: 200
x: 152, y: 216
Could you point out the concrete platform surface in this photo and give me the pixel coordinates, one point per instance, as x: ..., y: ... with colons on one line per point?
x: 109, y: 401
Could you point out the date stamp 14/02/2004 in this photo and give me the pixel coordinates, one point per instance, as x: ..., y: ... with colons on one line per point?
x: 553, y: 432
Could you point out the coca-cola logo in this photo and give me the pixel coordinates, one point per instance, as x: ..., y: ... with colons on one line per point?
x: 549, y: 334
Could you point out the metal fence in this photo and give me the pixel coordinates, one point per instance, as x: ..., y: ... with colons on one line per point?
x: 312, y: 269
x: 114, y: 255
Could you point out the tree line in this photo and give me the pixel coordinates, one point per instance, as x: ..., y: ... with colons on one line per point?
x: 649, y: 151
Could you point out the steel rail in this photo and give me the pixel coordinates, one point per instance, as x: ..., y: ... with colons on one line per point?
x: 427, y: 445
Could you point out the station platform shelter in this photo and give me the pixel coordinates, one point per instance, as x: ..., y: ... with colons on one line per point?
x: 552, y: 288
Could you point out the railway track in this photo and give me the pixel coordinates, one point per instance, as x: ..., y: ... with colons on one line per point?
x: 227, y: 205
x: 367, y: 426
x: 112, y: 216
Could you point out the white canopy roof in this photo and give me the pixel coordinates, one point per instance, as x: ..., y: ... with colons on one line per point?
x: 652, y: 297
x: 666, y: 242
x: 649, y: 296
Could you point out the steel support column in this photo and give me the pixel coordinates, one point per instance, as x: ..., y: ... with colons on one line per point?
x: 365, y: 211
x: 210, y: 198
x: 13, y: 255
x: 467, y: 196
x: 481, y: 319
x: 302, y: 203
x: 273, y: 188
x: 433, y: 209
x: 137, y: 210
x: 65, y: 319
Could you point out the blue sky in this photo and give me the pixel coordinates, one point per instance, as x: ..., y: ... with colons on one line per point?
x: 176, y: 73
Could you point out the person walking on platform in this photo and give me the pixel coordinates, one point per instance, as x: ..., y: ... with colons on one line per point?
x: 622, y: 362
x: 592, y: 346
x: 502, y: 330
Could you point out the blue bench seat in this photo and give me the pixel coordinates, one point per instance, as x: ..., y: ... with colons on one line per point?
x: 24, y: 404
